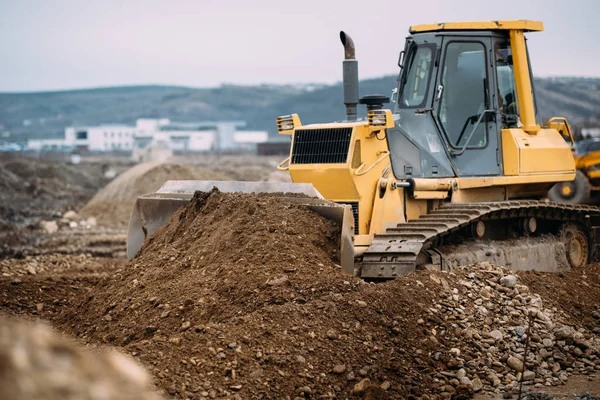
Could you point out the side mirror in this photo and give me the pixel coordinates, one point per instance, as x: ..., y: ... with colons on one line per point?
x: 401, y: 59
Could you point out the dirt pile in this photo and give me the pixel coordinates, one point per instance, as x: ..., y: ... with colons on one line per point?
x: 43, y: 286
x: 113, y: 204
x: 31, y: 190
x: 240, y: 295
x: 39, y: 364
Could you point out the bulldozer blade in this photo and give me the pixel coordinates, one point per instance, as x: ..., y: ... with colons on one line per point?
x: 151, y: 211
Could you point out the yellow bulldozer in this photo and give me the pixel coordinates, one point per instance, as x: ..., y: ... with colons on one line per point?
x: 452, y: 172
x: 585, y: 187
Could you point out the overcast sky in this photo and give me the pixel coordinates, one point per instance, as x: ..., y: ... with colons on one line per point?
x: 65, y: 44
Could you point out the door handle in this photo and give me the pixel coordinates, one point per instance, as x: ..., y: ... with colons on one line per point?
x: 440, y: 88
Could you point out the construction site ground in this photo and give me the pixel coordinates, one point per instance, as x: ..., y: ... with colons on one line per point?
x: 241, y: 296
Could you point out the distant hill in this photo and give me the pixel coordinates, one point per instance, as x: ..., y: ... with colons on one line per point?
x: 46, y: 114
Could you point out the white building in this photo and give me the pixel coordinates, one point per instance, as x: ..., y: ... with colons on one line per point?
x: 192, y: 137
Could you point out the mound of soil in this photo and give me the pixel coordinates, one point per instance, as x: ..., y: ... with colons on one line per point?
x: 32, y: 190
x: 113, y: 204
x: 240, y: 296
x: 43, y: 286
x: 39, y: 364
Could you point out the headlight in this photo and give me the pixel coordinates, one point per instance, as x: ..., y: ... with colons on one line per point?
x: 287, y: 123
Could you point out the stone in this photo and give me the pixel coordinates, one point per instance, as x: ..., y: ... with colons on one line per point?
x: 278, y: 281
x: 564, y: 332
x: 385, y: 385
x: 71, y: 215
x: 515, y: 364
x: 581, y: 343
x: 466, y: 381
x: 339, y: 369
x: 360, y: 388
x: 477, y: 384
x: 49, y: 226
x: 508, y: 281
x: 519, y: 331
x: 300, y: 359
x: 306, y: 390
x: 547, y: 343
x: 528, y: 376
x: 455, y: 352
x: 461, y: 374
x: 496, y: 335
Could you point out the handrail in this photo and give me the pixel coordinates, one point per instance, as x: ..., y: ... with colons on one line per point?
x: 564, y: 121
x: 359, y: 171
x: 280, y: 167
x: 462, y: 150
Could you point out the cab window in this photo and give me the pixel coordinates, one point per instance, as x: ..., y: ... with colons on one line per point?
x: 416, y: 80
x: 507, y: 91
x: 463, y: 94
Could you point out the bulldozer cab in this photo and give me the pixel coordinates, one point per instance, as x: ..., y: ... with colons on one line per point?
x: 457, y: 90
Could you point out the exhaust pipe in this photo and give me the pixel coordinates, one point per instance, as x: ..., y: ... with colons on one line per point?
x: 350, y: 77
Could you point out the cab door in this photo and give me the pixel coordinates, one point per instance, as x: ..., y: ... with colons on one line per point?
x: 463, y: 107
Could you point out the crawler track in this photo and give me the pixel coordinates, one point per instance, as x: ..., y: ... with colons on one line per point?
x: 400, y: 249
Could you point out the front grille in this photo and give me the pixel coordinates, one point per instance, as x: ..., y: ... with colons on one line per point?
x: 354, y: 206
x: 321, y: 146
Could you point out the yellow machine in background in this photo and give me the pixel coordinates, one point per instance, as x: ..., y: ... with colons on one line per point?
x: 587, y: 180
x: 450, y: 174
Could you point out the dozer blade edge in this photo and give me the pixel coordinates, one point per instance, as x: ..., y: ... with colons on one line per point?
x: 151, y: 211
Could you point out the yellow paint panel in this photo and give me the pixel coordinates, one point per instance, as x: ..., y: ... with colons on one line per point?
x: 334, y: 181
x: 543, y: 153
x: 523, y: 25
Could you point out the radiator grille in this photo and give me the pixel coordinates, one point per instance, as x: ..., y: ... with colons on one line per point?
x: 354, y: 206
x: 321, y: 146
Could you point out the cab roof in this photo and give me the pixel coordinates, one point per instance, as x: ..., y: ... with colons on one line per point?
x: 521, y: 25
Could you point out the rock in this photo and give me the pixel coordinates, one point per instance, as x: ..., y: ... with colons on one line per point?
x: 350, y: 376
x: 461, y: 374
x: 361, y: 303
x: 515, y: 364
x: 455, y: 352
x: 528, y: 376
x: 466, y: 381
x: 235, y: 387
x: 339, y: 369
x: 581, y: 343
x: 374, y: 392
x: 477, y: 385
x: 73, y: 224
x: 386, y: 385
x: 300, y: 359
x: 508, y: 281
x: 564, y: 332
x: 519, y: 331
x: 305, y: 390
x: 71, y: 215
x: 278, y: 281
x: 232, y: 345
x: 596, y: 315
x: 547, y: 343
x: 496, y: 335
x: 49, y: 226
x: 361, y: 387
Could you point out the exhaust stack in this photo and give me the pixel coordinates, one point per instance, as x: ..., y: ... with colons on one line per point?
x: 350, y: 77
